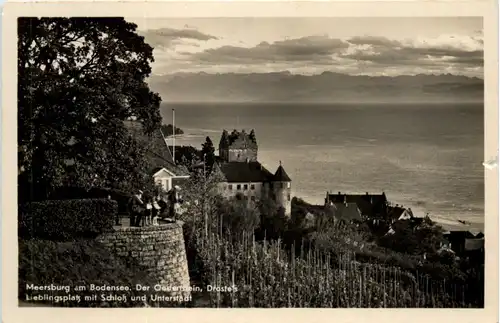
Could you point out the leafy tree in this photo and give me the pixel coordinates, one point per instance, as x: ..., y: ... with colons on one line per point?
x: 78, y: 80
x: 168, y: 130
x: 208, y: 152
x: 238, y: 218
x: 273, y: 221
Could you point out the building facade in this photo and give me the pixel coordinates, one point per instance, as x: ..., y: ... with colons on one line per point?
x: 244, y: 177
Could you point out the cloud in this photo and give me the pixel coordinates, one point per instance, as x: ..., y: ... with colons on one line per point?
x: 167, y: 37
x: 369, y: 55
x: 311, y: 48
x: 458, y: 50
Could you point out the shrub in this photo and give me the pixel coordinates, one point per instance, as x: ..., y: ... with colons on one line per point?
x: 71, y: 193
x: 66, y: 219
x: 77, y: 263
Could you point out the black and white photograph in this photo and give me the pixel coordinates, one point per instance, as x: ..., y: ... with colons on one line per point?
x: 251, y: 162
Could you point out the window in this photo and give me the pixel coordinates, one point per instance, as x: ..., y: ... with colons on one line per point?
x: 245, y: 187
x: 230, y: 186
x: 288, y: 185
x: 238, y: 187
x: 252, y: 186
x: 282, y: 185
x: 288, y: 196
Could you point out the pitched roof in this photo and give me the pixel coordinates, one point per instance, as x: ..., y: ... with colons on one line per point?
x: 368, y: 204
x: 461, y: 234
x: 347, y: 211
x: 281, y: 175
x: 242, y: 172
x: 395, y: 212
x: 158, y: 151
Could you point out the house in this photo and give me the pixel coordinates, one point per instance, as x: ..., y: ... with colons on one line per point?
x: 370, y: 205
x: 163, y: 170
x: 457, y: 240
x: 398, y: 213
x: 243, y: 176
x: 475, y: 244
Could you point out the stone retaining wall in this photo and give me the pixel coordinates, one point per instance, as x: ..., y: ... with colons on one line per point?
x: 160, y: 249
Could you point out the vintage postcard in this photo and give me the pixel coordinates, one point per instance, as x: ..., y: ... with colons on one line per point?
x: 251, y: 156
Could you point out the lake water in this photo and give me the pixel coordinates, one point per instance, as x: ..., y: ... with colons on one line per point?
x: 427, y: 157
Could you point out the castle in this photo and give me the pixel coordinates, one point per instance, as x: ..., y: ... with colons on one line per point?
x: 245, y: 177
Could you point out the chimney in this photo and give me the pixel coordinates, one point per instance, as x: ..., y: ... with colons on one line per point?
x: 366, y: 193
x: 247, y: 160
x: 339, y: 193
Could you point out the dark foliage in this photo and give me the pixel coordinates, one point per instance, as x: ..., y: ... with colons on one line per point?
x: 78, y: 80
x: 67, y: 193
x: 187, y: 155
x: 168, y: 130
x: 208, y: 154
x: 66, y: 219
x: 77, y: 263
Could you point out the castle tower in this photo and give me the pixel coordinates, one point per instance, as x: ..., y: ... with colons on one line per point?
x: 238, y: 146
x: 282, y: 189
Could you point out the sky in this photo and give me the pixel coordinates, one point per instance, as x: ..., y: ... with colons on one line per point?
x: 357, y: 46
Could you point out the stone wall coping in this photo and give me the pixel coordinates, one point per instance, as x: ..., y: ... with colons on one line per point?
x: 152, y: 228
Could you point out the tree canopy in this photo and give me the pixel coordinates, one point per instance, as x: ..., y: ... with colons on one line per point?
x: 78, y: 80
x: 208, y: 151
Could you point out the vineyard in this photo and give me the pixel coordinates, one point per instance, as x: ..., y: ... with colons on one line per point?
x: 267, y: 275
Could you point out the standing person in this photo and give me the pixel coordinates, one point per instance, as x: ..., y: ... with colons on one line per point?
x: 147, y: 219
x: 118, y: 219
x: 136, y: 209
x: 156, y: 210
x: 163, y: 206
x: 174, y: 201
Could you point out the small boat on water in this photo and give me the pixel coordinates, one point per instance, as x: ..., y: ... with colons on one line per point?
x: 464, y: 222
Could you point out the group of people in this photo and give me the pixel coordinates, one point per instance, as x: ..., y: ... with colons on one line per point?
x: 145, y: 211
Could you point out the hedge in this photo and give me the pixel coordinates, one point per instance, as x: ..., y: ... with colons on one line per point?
x: 66, y: 219
x: 67, y: 193
x: 78, y: 263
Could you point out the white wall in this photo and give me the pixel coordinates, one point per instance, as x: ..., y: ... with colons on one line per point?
x: 164, y: 180
x: 224, y: 189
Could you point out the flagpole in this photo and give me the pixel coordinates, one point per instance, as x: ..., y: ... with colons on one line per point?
x: 173, y: 131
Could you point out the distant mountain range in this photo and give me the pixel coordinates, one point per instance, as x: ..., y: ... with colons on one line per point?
x: 325, y: 87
